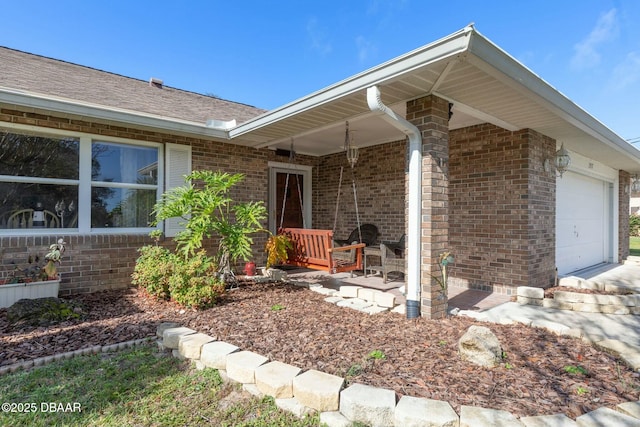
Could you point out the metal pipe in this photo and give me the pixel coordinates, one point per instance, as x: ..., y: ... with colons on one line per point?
x: 415, y: 197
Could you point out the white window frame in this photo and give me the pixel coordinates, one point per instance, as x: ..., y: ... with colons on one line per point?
x: 84, y: 182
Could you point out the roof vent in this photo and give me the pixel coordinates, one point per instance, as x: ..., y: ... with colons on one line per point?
x: 155, y: 82
x: 221, y: 124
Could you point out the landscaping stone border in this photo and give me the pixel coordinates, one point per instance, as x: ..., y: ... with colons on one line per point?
x: 586, y: 303
x: 313, y: 391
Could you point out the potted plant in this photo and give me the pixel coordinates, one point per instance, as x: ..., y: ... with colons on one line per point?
x: 34, y: 280
x: 278, y: 247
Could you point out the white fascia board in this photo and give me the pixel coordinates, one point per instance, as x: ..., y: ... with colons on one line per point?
x: 95, y: 111
x: 496, y: 62
x: 439, y: 50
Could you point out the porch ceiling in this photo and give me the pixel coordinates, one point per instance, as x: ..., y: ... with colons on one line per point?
x: 483, y: 83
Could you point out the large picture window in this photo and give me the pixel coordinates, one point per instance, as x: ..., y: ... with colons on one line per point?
x: 78, y: 183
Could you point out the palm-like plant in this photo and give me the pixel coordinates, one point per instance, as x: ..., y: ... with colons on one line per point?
x: 208, y: 210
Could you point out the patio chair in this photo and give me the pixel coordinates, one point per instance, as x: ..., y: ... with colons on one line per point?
x: 369, y: 234
x: 391, y: 262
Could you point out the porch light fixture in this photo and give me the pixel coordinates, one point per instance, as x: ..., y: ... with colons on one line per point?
x: 635, y: 183
x: 561, y: 161
x: 351, y: 150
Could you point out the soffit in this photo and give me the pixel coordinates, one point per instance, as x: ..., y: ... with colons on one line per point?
x: 484, y: 84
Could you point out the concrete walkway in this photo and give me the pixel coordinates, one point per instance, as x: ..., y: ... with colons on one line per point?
x: 594, y: 326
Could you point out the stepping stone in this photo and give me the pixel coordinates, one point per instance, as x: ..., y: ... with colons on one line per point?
x: 473, y: 416
x: 369, y: 405
x: 400, y: 309
x: 418, y: 412
x: 318, y: 390
x: 171, y: 336
x: 384, y: 299
x: 190, y: 346
x: 606, y: 417
x: 374, y: 309
x: 334, y: 300
x: 241, y: 366
x: 349, y: 291
x: 323, y: 291
x: 366, y: 294
x: 557, y: 420
x: 276, y: 379
x: 555, y: 327
x: 214, y: 354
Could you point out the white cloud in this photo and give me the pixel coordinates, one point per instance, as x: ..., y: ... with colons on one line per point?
x: 318, y: 38
x: 365, y: 48
x: 586, y: 53
x: 626, y: 73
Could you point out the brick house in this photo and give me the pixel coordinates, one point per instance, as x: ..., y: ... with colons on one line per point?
x: 457, y: 149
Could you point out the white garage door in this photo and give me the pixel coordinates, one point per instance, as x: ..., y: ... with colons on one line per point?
x: 581, y: 219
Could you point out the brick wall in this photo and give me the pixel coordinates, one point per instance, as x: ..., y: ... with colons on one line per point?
x: 380, y: 187
x: 624, y: 178
x: 94, y: 262
x: 502, y: 208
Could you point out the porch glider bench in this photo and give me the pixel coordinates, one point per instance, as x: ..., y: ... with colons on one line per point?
x: 315, y: 249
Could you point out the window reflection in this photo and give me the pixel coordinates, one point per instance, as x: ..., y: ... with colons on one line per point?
x: 25, y: 205
x: 121, y: 207
x: 124, y: 163
x: 37, y: 156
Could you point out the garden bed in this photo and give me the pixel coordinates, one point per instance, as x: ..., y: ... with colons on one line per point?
x: 293, y: 325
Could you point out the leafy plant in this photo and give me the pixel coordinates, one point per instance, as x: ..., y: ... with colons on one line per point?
x: 582, y: 390
x: 194, y: 283
x: 277, y: 307
x: 575, y: 370
x: 444, y: 260
x: 377, y: 355
x: 508, y: 365
x: 53, y: 258
x: 207, y: 209
x: 634, y: 225
x: 277, y: 249
x: 153, y: 269
x: 442, y: 343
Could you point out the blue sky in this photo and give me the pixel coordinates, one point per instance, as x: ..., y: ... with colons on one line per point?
x: 268, y: 53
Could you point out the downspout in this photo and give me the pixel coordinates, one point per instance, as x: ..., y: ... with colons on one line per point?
x: 415, y: 197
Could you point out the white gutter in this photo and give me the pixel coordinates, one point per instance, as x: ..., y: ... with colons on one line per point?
x: 415, y: 197
x: 95, y: 111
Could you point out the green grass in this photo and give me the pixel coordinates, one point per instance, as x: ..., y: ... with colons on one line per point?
x: 134, y: 387
x: 634, y: 246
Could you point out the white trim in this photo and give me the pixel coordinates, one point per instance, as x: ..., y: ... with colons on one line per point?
x: 307, y: 188
x: 96, y: 111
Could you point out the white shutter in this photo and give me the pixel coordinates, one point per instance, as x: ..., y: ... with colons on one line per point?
x: 178, y: 164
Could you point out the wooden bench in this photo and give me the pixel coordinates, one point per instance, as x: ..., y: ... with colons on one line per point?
x: 315, y: 249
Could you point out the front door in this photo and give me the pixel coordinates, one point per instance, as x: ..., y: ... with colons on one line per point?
x: 289, y: 193
x: 289, y: 196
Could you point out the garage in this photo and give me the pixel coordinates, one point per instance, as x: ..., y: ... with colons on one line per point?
x: 583, y: 221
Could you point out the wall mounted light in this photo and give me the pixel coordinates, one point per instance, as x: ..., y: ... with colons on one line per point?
x: 635, y: 183
x: 561, y: 162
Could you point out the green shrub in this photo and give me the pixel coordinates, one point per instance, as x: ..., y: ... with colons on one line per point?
x: 153, y: 269
x: 195, y: 282
x: 634, y: 225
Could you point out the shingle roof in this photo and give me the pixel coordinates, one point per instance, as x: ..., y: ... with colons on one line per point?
x: 39, y: 74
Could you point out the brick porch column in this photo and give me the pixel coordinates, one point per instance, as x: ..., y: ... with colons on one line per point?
x: 431, y: 116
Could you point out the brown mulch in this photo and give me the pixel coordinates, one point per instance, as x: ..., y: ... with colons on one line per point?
x: 421, y: 357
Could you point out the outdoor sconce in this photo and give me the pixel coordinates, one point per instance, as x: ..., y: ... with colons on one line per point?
x: 561, y: 161
x: 635, y: 183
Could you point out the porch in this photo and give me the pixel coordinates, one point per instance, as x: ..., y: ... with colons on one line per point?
x: 463, y: 298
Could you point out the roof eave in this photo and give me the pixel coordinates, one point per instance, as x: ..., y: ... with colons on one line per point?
x: 94, y: 111
x: 444, y: 48
x: 493, y: 60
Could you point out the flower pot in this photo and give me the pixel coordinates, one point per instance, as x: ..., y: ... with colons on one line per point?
x: 13, y: 292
